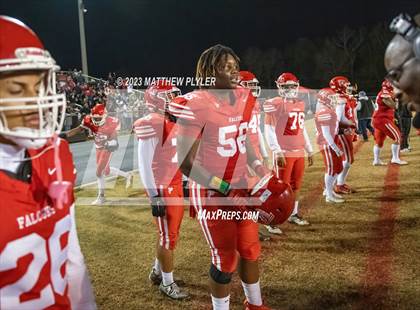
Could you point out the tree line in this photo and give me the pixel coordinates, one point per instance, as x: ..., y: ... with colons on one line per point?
x: 355, y: 53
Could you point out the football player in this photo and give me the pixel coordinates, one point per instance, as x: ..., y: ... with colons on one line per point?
x: 326, y: 122
x: 104, y: 130
x: 383, y: 123
x: 213, y: 150
x: 41, y: 265
x: 162, y: 179
x: 346, y: 115
x: 248, y: 80
x: 287, y: 137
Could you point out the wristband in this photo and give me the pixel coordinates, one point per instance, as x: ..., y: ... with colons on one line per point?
x: 219, y: 185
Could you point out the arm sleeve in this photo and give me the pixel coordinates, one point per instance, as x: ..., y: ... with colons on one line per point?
x: 85, y: 124
x: 356, y: 120
x: 308, y: 145
x: 329, y: 138
x: 270, y: 135
x: 80, y: 289
x: 263, y: 149
x: 341, y: 116
x: 146, y: 151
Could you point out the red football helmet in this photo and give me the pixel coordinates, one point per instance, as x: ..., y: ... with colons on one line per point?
x: 20, y: 51
x: 159, y: 94
x: 386, y: 85
x: 98, y: 114
x: 288, y: 85
x: 248, y: 80
x: 276, y: 197
x: 340, y: 84
x: 328, y: 97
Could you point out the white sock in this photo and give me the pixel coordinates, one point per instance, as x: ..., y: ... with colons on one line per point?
x: 341, y: 180
x: 329, y: 184
x: 376, y: 153
x: 296, y: 208
x: 253, y: 293
x: 167, y: 278
x: 395, y: 148
x: 157, y: 266
x: 220, y: 303
x: 119, y: 172
x: 101, y: 185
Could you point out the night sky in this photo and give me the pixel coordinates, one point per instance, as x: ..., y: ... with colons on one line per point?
x: 165, y: 38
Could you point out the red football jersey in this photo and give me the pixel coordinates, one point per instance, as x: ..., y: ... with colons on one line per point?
x: 222, y: 126
x: 102, y: 133
x: 349, y: 108
x: 254, y: 127
x: 165, y: 161
x: 34, y: 236
x: 325, y: 117
x: 383, y: 110
x: 288, y: 118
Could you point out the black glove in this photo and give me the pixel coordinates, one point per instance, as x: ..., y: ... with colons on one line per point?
x: 111, y: 145
x: 62, y: 135
x: 158, y: 206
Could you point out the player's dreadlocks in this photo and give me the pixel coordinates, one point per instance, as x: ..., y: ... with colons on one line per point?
x: 210, y: 59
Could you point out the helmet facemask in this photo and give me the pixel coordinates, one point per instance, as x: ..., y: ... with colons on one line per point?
x: 98, y: 119
x: 252, y: 85
x: 167, y: 96
x: 288, y: 90
x: 48, y: 105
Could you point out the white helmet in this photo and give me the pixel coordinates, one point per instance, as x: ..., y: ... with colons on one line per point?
x: 22, y: 50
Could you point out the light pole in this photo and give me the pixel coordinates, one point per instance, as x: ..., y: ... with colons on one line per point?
x: 82, y: 10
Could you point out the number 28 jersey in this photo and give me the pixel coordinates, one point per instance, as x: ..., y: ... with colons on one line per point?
x: 222, y: 127
x: 38, y: 241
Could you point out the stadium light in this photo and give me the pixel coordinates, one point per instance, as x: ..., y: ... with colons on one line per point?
x: 82, y: 11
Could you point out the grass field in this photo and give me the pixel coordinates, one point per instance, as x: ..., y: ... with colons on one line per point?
x: 364, y: 254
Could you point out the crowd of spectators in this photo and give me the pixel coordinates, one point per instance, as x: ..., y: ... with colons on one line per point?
x: 83, y: 92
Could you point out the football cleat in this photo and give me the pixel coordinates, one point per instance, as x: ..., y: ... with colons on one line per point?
x: 406, y: 150
x: 334, y: 194
x: 378, y: 163
x: 129, y: 181
x: 173, y: 291
x: 249, y: 306
x: 155, y: 277
x: 341, y: 189
x: 263, y: 234
x: 399, y: 162
x: 273, y: 230
x: 333, y: 199
x: 352, y: 191
x: 100, y: 200
x: 296, y: 219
